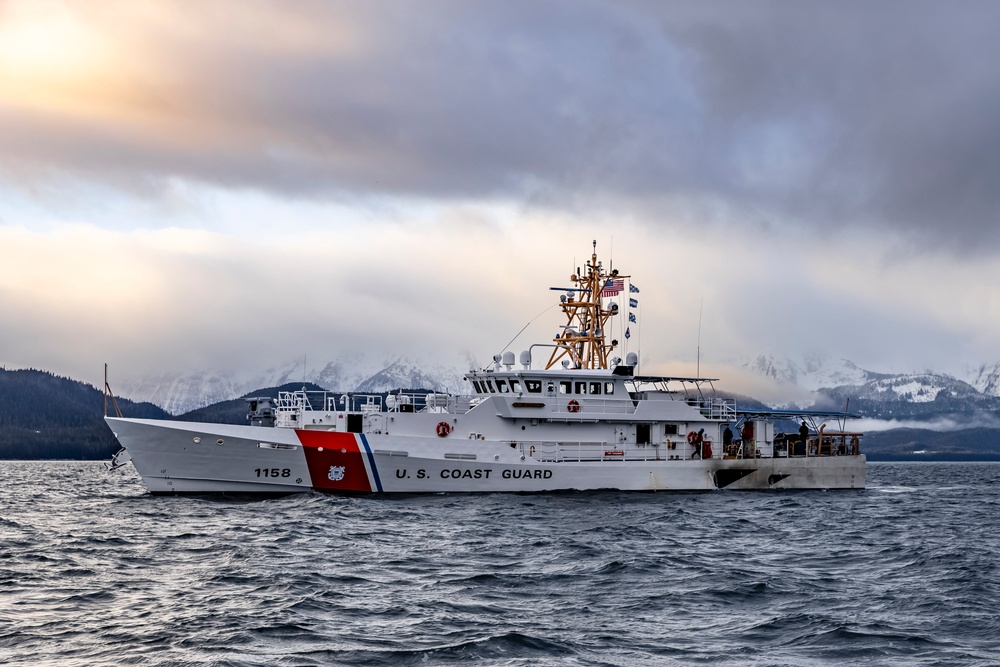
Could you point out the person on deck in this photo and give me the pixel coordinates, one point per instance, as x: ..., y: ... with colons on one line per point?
x: 804, y: 432
x: 699, y: 440
x: 727, y: 436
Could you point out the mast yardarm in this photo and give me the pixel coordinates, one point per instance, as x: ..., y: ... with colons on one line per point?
x: 583, y: 339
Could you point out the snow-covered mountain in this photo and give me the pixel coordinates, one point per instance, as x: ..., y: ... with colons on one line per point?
x: 920, y: 396
x: 811, y: 372
x: 985, y: 378
x: 181, y: 392
x: 914, y: 388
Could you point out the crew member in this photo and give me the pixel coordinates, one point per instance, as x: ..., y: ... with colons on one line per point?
x: 699, y: 440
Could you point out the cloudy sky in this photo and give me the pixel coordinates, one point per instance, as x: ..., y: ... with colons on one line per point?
x: 229, y: 185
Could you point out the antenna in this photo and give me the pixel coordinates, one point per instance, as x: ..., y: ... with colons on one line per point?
x: 700, y: 308
x: 109, y: 394
x: 511, y: 342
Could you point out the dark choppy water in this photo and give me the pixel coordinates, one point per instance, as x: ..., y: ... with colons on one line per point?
x: 95, y: 572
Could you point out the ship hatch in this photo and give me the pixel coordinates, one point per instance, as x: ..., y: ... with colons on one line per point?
x: 354, y: 423
x: 724, y: 478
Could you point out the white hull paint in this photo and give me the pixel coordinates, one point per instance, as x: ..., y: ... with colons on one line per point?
x: 253, y: 459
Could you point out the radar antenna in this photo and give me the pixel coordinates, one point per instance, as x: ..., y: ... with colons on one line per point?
x: 583, y: 341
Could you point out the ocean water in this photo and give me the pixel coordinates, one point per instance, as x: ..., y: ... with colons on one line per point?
x: 94, y: 571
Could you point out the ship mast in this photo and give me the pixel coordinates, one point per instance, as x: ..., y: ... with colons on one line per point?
x: 583, y: 341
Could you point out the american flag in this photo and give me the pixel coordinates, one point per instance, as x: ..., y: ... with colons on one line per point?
x: 613, y: 287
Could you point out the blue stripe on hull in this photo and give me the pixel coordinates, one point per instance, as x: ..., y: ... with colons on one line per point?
x: 371, y: 462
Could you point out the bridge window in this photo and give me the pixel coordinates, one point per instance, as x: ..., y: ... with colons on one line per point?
x: 565, y: 386
x: 490, y: 388
x: 595, y: 387
x: 609, y: 387
x: 533, y: 386
x: 581, y: 387
x: 515, y: 386
x: 479, y: 387
x: 502, y: 386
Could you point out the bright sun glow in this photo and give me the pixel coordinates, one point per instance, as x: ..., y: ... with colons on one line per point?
x: 49, y: 58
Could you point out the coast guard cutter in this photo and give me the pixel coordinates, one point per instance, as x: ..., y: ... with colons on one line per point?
x: 584, y: 420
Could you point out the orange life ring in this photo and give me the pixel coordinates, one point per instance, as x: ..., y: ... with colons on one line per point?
x: 573, y: 406
x: 443, y: 429
x: 692, y: 438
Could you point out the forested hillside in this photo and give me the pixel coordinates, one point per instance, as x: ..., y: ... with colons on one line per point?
x: 44, y: 416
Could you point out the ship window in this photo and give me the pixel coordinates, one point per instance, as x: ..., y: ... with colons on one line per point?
x: 502, y: 386
x: 515, y: 386
x: 533, y: 386
x: 670, y: 429
x: 609, y: 387
x: 479, y: 387
x: 595, y: 387
x: 581, y: 387
x: 565, y: 386
x: 490, y: 388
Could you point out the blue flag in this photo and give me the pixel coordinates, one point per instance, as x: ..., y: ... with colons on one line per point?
x: 631, y: 317
x: 627, y: 334
x: 633, y: 289
x: 634, y: 303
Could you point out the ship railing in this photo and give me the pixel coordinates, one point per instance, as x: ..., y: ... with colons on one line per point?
x: 829, y: 443
x: 462, y: 404
x: 717, y: 409
x: 582, y: 406
x: 576, y: 452
x: 294, y: 402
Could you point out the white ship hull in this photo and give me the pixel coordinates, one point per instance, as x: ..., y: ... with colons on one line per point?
x: 191, y: 457
x: 585, y: 421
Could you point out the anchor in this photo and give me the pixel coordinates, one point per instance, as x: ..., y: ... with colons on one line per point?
x: 120, y: 458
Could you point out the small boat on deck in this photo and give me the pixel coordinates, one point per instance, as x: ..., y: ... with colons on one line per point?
x: 584, y: 420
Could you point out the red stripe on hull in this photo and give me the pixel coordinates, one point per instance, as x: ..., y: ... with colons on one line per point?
x: 335, y: 461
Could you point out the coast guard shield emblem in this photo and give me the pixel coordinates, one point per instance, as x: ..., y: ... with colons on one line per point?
x: 336, y: 473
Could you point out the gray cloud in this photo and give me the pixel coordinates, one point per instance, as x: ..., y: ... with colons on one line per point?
x: 888, y: 109
x: 801, y: 113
